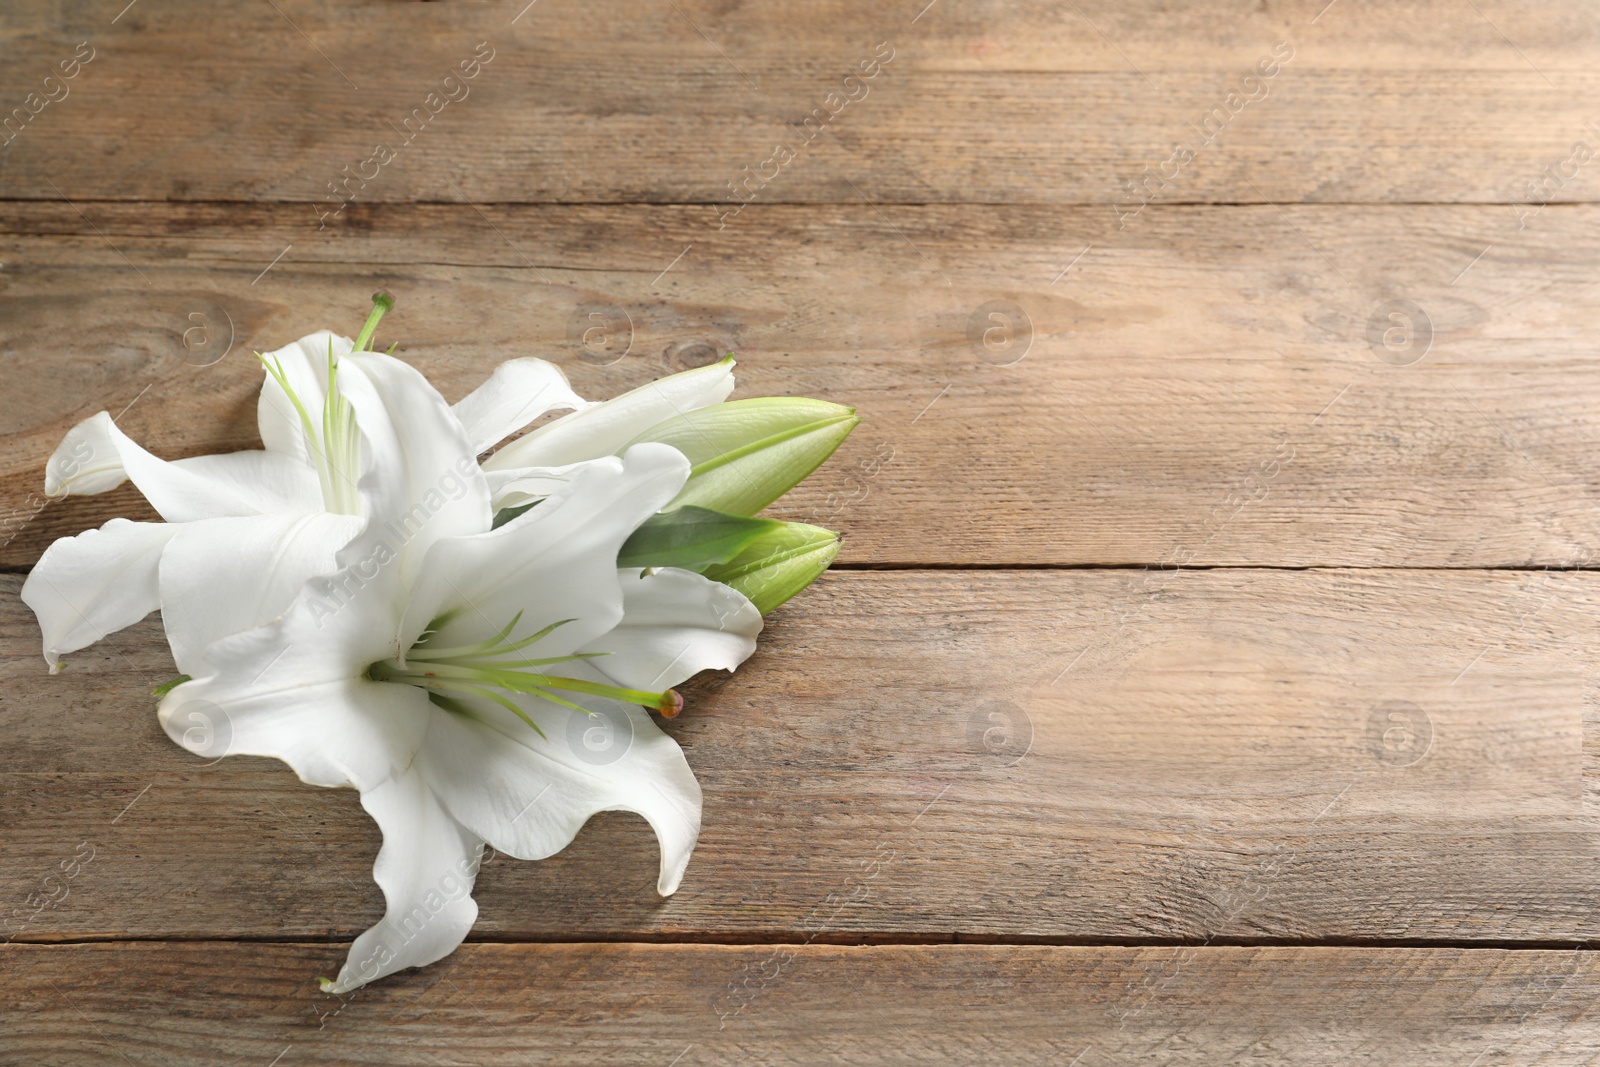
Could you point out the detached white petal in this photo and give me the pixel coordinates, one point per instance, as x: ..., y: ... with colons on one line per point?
x: 94, y: 584
x: 603, y: 429
x: 518, y: 392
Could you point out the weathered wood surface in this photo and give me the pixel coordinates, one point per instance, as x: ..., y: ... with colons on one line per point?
x: 1199, y: 389
x: 1003, y: 102
x: 1161, y: 797
x: 1076, y: 756
x: 652, y: 1005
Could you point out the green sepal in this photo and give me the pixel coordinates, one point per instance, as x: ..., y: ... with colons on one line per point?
x: 166, y: 687
x: 691, y: 537
x: 748, y: 453
x: 779, y: 564
x: 505, y: 515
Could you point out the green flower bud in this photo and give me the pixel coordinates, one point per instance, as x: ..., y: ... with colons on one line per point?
x: 691, y: 537
x: 748, y: 453
x: 777, y: 565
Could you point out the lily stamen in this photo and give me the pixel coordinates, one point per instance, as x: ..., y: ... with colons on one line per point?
x: 483, y: 670
x: 335, y: 448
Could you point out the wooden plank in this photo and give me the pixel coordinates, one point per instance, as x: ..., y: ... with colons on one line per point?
x: 1065, y: 756
x: 1014, y: 101
x: 175, y: 1004
x: 1210, y: 386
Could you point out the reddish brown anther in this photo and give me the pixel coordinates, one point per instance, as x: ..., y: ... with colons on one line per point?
x: 671, y: 704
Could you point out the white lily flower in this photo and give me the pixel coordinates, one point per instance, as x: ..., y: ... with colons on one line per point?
x: 297, y: 493
x: 455, y: 675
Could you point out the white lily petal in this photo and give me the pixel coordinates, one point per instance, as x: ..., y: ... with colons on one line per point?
x: 96, y: 583
x: 421, y: 481
x: 96, y: 456
x: 223, y: 576
x: 87, y: 461
x: 269, y: 482
x: 603, y: 429
x: 305, y: 367
x: 518, y: 392
x: 333, y: 730
x: 675, y: 624
x: 513, y: 487
x: 426, y: 868
x: 553, y: 563
x: 529, y: 796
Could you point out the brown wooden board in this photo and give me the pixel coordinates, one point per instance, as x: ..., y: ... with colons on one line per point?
x: 1017, y: 755
x: 1012, y: 102
x: 650, y: 1005
x: 1210, y: 386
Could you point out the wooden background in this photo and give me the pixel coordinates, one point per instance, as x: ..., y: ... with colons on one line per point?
x: 1209, y: 673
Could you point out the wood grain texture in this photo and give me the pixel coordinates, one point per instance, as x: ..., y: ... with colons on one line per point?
x: 1000, y: 102
x: 1204, y: 387
x: 1068, y: 756
x: 650, y: 1005
x: 1068, y: 763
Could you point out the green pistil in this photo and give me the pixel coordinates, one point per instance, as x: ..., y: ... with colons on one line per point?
x: 341, y: 443
x: 491, y: 669
x: 381, y: 303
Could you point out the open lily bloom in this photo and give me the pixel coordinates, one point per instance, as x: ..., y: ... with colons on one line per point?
x: 297, y: 495
x: 471, y: 646
x: 455, y: 674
